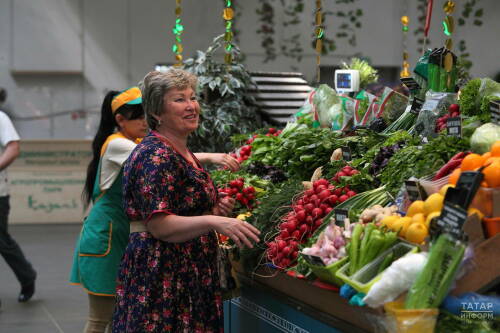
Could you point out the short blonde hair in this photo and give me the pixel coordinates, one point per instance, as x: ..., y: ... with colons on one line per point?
x: 155, y: 85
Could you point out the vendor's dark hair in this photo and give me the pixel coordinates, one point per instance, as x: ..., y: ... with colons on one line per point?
x: 107, y: 127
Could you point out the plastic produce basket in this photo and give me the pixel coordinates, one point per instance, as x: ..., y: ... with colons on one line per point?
x: 486, y: 200
x: 327, y: 273
x: 401, y: 320
x: 366, y: 277
x: 431, y: 186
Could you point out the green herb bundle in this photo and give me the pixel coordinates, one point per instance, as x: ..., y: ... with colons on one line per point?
x: 420, y: 161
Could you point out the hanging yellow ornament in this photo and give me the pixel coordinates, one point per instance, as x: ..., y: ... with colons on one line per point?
x: 319, y: 34
x: 228, y: 14
x: 448, y: 43
x: 178, y: 29
x: 449, y: 7
x: 405, y: 72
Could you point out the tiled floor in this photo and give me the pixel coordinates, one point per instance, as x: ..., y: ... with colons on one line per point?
x: 56, y: 307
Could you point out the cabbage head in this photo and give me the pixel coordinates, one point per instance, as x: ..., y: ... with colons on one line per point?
x: 484, y: 137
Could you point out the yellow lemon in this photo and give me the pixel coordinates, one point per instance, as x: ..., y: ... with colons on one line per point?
x: 416, y: 233
x: 430, y: 217
x: 418, y: 218
x: 473, y: 210
x: 243, y: 216
x: 388, y: 220
x: 397, y: 225
x: 445, y: 188
x: 415, y: 208
x: 434, y: 203
x: 406, y: 221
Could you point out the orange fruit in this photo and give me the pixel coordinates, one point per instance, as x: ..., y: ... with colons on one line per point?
x: 471, y: 162
x: 454, y: 176
x: 491, y: 160
x: 492, y: 174
x: 495, y: 149
x: 486, y: 156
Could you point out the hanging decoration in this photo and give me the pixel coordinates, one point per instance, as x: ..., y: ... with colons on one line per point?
x: 428, y: 17
x: 178, y: 30
x: 228, y: 15
x: 448, y: 23
x: 406, y: 65
x: 319, y: 33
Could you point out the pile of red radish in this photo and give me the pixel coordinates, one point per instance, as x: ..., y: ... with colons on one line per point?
x: 243, y: 195
x: 306, y: 216
x: 453, y: 111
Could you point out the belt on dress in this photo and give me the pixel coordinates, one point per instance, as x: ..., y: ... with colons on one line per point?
x: 137, y: 226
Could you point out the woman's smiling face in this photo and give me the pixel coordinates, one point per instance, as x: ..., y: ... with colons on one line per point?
x: 181, y: 111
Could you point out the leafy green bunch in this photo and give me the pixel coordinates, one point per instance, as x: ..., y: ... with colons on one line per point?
x: 420, y: 161
x: 367, y: 74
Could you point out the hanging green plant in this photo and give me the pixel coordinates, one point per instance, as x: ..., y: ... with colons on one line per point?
x: 419, y: 31
x: 469, y: 13
x: 348, y: 18
x: 266, y: 29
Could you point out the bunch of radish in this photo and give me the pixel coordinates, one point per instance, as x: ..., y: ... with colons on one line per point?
x: 246, y: 150
x: 453, y: 111
x: 306, y: 216
x: 346, y: 171
x: 272, y: 131
x: 243, y: 195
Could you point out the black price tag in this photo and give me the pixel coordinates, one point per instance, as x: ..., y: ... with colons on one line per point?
x: 410, y: 83
x: 416, y: 105
x: 495, y: 112
x: 313, y: 260
x: 340, y: 216
x: 452, y: 219
x: 454, y: 126
x: 415, y: 191
x: 346, y: 153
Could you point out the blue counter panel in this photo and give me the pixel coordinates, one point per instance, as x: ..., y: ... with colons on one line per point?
x: 257, y: 312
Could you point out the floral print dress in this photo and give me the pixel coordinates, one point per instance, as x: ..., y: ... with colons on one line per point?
x: 163, y: 286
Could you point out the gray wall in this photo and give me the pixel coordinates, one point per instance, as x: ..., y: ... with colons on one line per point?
x: 62, y: 55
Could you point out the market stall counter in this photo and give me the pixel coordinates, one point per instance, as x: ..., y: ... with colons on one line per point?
x: 270, y: 300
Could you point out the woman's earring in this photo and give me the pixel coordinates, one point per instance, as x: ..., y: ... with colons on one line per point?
x: 159, y: 122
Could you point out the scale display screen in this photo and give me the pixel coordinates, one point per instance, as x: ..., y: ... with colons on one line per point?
x: 344, y: 80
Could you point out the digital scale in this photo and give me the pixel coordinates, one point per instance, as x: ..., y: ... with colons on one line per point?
x: 346, y: 80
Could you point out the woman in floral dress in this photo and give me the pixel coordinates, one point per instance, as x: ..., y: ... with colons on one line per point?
x: 168, y: 279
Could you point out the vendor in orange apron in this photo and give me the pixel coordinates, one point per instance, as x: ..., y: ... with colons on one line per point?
x: 105, y: 230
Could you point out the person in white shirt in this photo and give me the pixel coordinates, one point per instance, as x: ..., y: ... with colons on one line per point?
x: 9, y: 249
